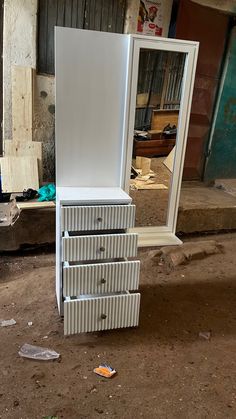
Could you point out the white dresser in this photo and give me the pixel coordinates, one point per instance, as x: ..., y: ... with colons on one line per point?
x: 94, y: 271
x: 97, y: 277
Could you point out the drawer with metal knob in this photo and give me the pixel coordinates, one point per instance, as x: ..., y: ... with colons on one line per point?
x: 91, y: 314
x: 99, y: 247
x: 100, y: 278
x: 88, y: 218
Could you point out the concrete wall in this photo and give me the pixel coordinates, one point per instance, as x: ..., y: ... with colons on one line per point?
x: 19, y: 48
x: 44, y: 122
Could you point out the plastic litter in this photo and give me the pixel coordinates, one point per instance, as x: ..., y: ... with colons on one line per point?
x: 5, y: 323
x: 37, y: 352
x: 205, y: 335
x: 47, y: 193
x: 105, y: 371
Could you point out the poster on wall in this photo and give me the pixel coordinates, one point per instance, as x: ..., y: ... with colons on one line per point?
x: 150, y: 20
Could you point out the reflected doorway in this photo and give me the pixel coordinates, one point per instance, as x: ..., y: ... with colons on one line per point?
x: 158, y: 99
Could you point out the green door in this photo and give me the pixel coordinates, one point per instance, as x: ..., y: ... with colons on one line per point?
x: 221, y: 161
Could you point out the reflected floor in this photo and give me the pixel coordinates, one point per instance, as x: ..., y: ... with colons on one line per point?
x: 152, y: 205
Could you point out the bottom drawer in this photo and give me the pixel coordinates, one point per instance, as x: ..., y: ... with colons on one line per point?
x: 101, y: 313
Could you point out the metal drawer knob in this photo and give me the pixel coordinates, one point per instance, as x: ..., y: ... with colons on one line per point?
x: 103, y: 316
x: 102, y: 249
x: 99, y: 219
x: 103, y: 281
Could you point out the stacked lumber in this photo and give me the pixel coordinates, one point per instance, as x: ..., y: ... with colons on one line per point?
x: 21, y: 166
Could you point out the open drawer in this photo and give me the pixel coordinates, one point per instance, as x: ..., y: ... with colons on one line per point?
x: 87, y: 218
x: 91, y: 314
x: 100, y: 278
x: 99, y: 247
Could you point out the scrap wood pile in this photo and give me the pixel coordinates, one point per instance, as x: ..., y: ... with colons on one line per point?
x: 144, y: 177
x: 21, y: 166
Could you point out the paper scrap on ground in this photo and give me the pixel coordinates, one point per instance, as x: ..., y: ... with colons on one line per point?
x: 105, y: 371
x: 37, y: 353
x: 5, y: 323
x: 138, y: 183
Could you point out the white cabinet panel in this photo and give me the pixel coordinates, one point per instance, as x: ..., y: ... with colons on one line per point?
x: 100, y: 278
x: 109, y: 217
x: 99, y: 247
x: 101, y: 313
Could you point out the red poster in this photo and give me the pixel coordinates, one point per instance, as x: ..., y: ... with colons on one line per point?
x: 150, y: 18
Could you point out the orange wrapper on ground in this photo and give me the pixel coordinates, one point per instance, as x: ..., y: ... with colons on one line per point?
x: 105, y: 371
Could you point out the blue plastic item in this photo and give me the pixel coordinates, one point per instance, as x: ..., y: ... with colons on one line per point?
x: 47, y: 193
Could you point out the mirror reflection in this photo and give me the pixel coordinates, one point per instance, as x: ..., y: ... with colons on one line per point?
x: 158, y: 99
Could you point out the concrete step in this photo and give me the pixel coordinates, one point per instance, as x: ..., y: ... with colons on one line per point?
x: 227, y: 185
x: 205, y: 209
x: 202, y: 209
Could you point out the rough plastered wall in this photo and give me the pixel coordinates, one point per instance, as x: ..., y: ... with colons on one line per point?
x: 44, y: 122
x: 19, y: 48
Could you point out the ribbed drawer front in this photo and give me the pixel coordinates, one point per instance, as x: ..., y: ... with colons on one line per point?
x: 80, y: 248
x: 101, y: 313
x: 100, y: 278
x: 109, y: 217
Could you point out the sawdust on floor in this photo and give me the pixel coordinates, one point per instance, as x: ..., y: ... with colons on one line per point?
x: 164, y: 369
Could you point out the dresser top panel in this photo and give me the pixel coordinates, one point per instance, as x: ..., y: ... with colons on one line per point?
x: 92, y: 196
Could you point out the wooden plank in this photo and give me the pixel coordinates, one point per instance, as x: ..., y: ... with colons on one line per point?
x: 19, y: 173
x: 145, y: 165
x: 105, y: 11
x: 161, y: 118
x: 151, y: 186
x: 120, y: 16
x: 68, y: 13
x: 169, y: 161
x: 142, y: 100
x: 80, y: 14
x: 1, y: 70
x: 98, y: 15
x: 36, y: 204
x: 60, y: 13
x: 42, y: 35
x: 110, y: 17
x: 74, y: 14
x: 24, y: 149
x: 22, y: 103
x: 52, y: 20
x: 166, y: 78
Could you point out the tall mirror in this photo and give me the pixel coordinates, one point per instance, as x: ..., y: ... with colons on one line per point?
x: 158, y: 98
x: 161, y: 88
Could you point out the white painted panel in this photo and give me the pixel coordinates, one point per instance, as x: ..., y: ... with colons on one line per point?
x: 109, y: 217
x: 101, y: 313
x: 91, y: 91
x: 100, y: 278
x: 92, y: 196
x: 100, y: 247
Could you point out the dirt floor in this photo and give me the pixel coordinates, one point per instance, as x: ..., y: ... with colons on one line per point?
x: 152, y: 205
x: 165, y: 370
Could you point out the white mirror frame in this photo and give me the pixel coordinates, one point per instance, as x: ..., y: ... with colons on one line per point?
x: 163, y: 235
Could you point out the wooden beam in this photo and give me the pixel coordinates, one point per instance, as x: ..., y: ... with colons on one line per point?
x: 22, y: 103
x: 161, y: 118
x: 24, y: 149
x: 19, y: 173
x: 36, y: 205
